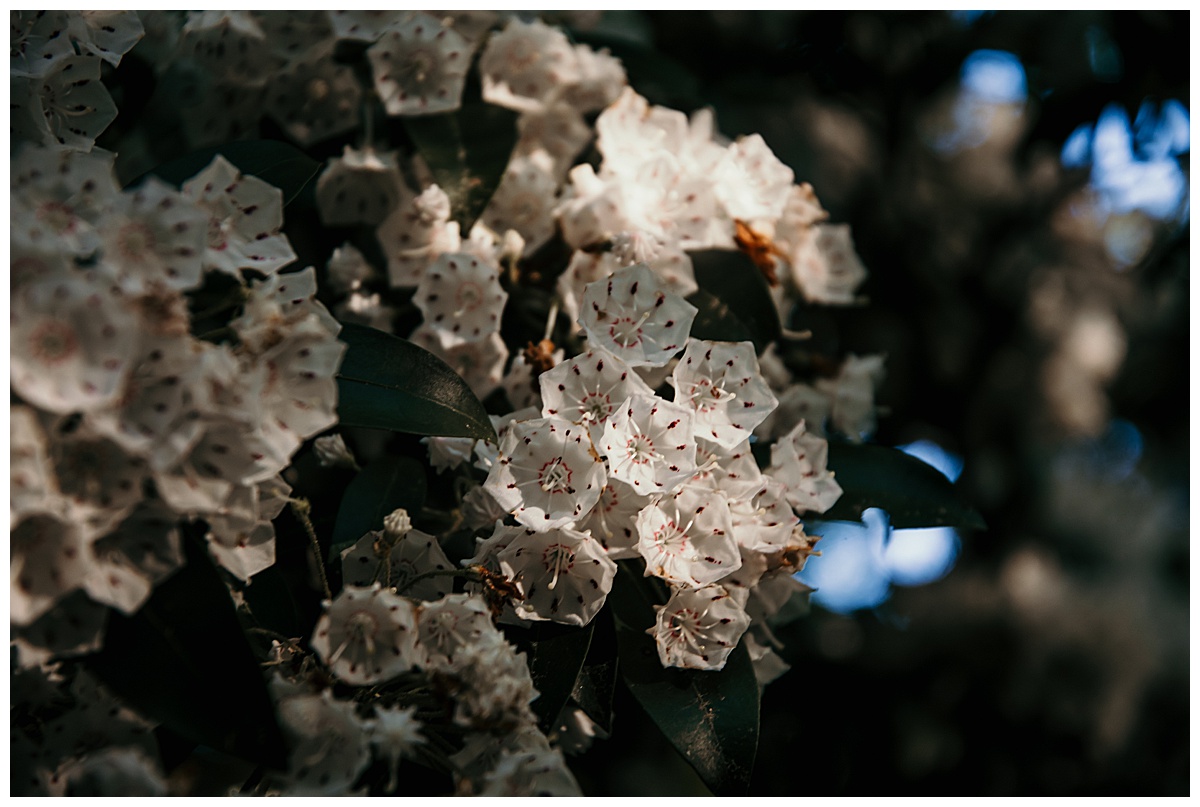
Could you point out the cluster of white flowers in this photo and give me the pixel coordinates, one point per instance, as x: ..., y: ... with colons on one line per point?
x: 141, y: 402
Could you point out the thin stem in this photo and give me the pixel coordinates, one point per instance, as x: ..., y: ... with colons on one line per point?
x: 302, y: 508
x: 465, y: 574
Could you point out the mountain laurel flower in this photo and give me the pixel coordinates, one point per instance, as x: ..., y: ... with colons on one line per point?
x: 649, y: 444
x: 824, y: 265
x: 563, y: 574
x: 451, y: 623
x: 331, y: 451
x: 73, y: 341
x: 531, y: 773
x: 588, y: 389
x: 328, y: 742
x: 525, y: 200
x: 48, y: 559
x: 394, y: 734
x: 698, y: 628
x: 245, y: 217
x: 548, y: 475
x: 420, y: 66
x: 380, y: 557
x: 751, y: 182
x: 314, y: 100
x: 634, y: 317
x: 721, y: 382
x: 415, y: 234
x: 687, y: 539
x: 527, y: 66
x: 613, y: 521
x: 461, y: 298
x: 154, y: 237
x: 367, y: 635
x: 68, y: 106
x: 765, y: 521
x: 360, y: 187
x: 798, y: 459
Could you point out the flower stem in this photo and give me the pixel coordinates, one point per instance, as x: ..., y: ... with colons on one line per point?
x: 302, y: 508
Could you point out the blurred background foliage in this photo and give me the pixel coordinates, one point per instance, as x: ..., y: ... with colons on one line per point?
x: 1017, y: 184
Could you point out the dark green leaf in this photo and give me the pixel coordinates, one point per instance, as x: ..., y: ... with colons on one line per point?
x: 386, y: 382
x: 466, y: 150
x: 275, y: 163
x: 596, y: 683
x: 734, y: 300
x: 555, y: 657
x: 710, y: 717
x: 913, y: 493
x: 183, y: 660
x: 381, y: 487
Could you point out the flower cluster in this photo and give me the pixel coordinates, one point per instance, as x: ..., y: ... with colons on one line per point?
x: 168, y: 363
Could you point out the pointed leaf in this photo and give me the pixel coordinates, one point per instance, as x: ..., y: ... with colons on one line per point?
x: 596, y: 683
x: 555, y: 656
x: 734, y: 299
x: 383, y: 486
x: 275, y: 163
x: 386, y: 382
x: 466, y: 150
x: 710, y: 717
x: 183, y: 660
x: 913, y: 493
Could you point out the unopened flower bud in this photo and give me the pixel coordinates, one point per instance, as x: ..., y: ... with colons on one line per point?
x: 397, y: 524
x: 331, y: 451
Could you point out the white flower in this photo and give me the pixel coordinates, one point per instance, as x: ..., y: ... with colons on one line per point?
x: 394, y: 734
x: 229, y: 45
x: 721, y: 382
x: 558, y: 131
x: 649, y: 444
x: 314, y: 100
x: 548, y: 474
x: 852, y: 394
x: 362, y: 26
x: 37, y: 42
x: 461, y: 299
x: 531, y: 773
x: 245, y: 216
x: 49, y: 559
x: 367, y: 635
x: 525, y: 200
x: 420, y: 66
x: 751, y: 182
x: 348, y: 269
x: 32, y: 485
x: 493, y: 689
x: 451, y: 624
x: 99, y: 480
x: 765, y: 521
x: 798, y: 461
x: 563, y: 575
x: 241, y: 536
x: 68, y: 106
x: 634, y: 317
x: 415, y: 234
x: 73, y: 339
x: 527, y: 65
x: 687, y: 539
x: 824, y: 265
x: 328, y: 743
x: 332, y: 451
x: 698, y: 628
x: 588, y: 389
x: 613, y: 521
x: 733, y: 471
x: 127, y: 563
x: 377, y: 557
x: 107, y: 34
x: 360, y: 187
x: 154, y: 237
x: 480, y: 508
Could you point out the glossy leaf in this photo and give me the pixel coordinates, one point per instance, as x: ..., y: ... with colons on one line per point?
x: 466, y: 150
x: 183, y: 660
x: 596, y: 684
x: 734, y: 300
x: 555, y: 656
x: 275, y: 163
x: 383, y: 486
x: 913, y: 493
x: 386, y: 382
x: 710, y: 717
